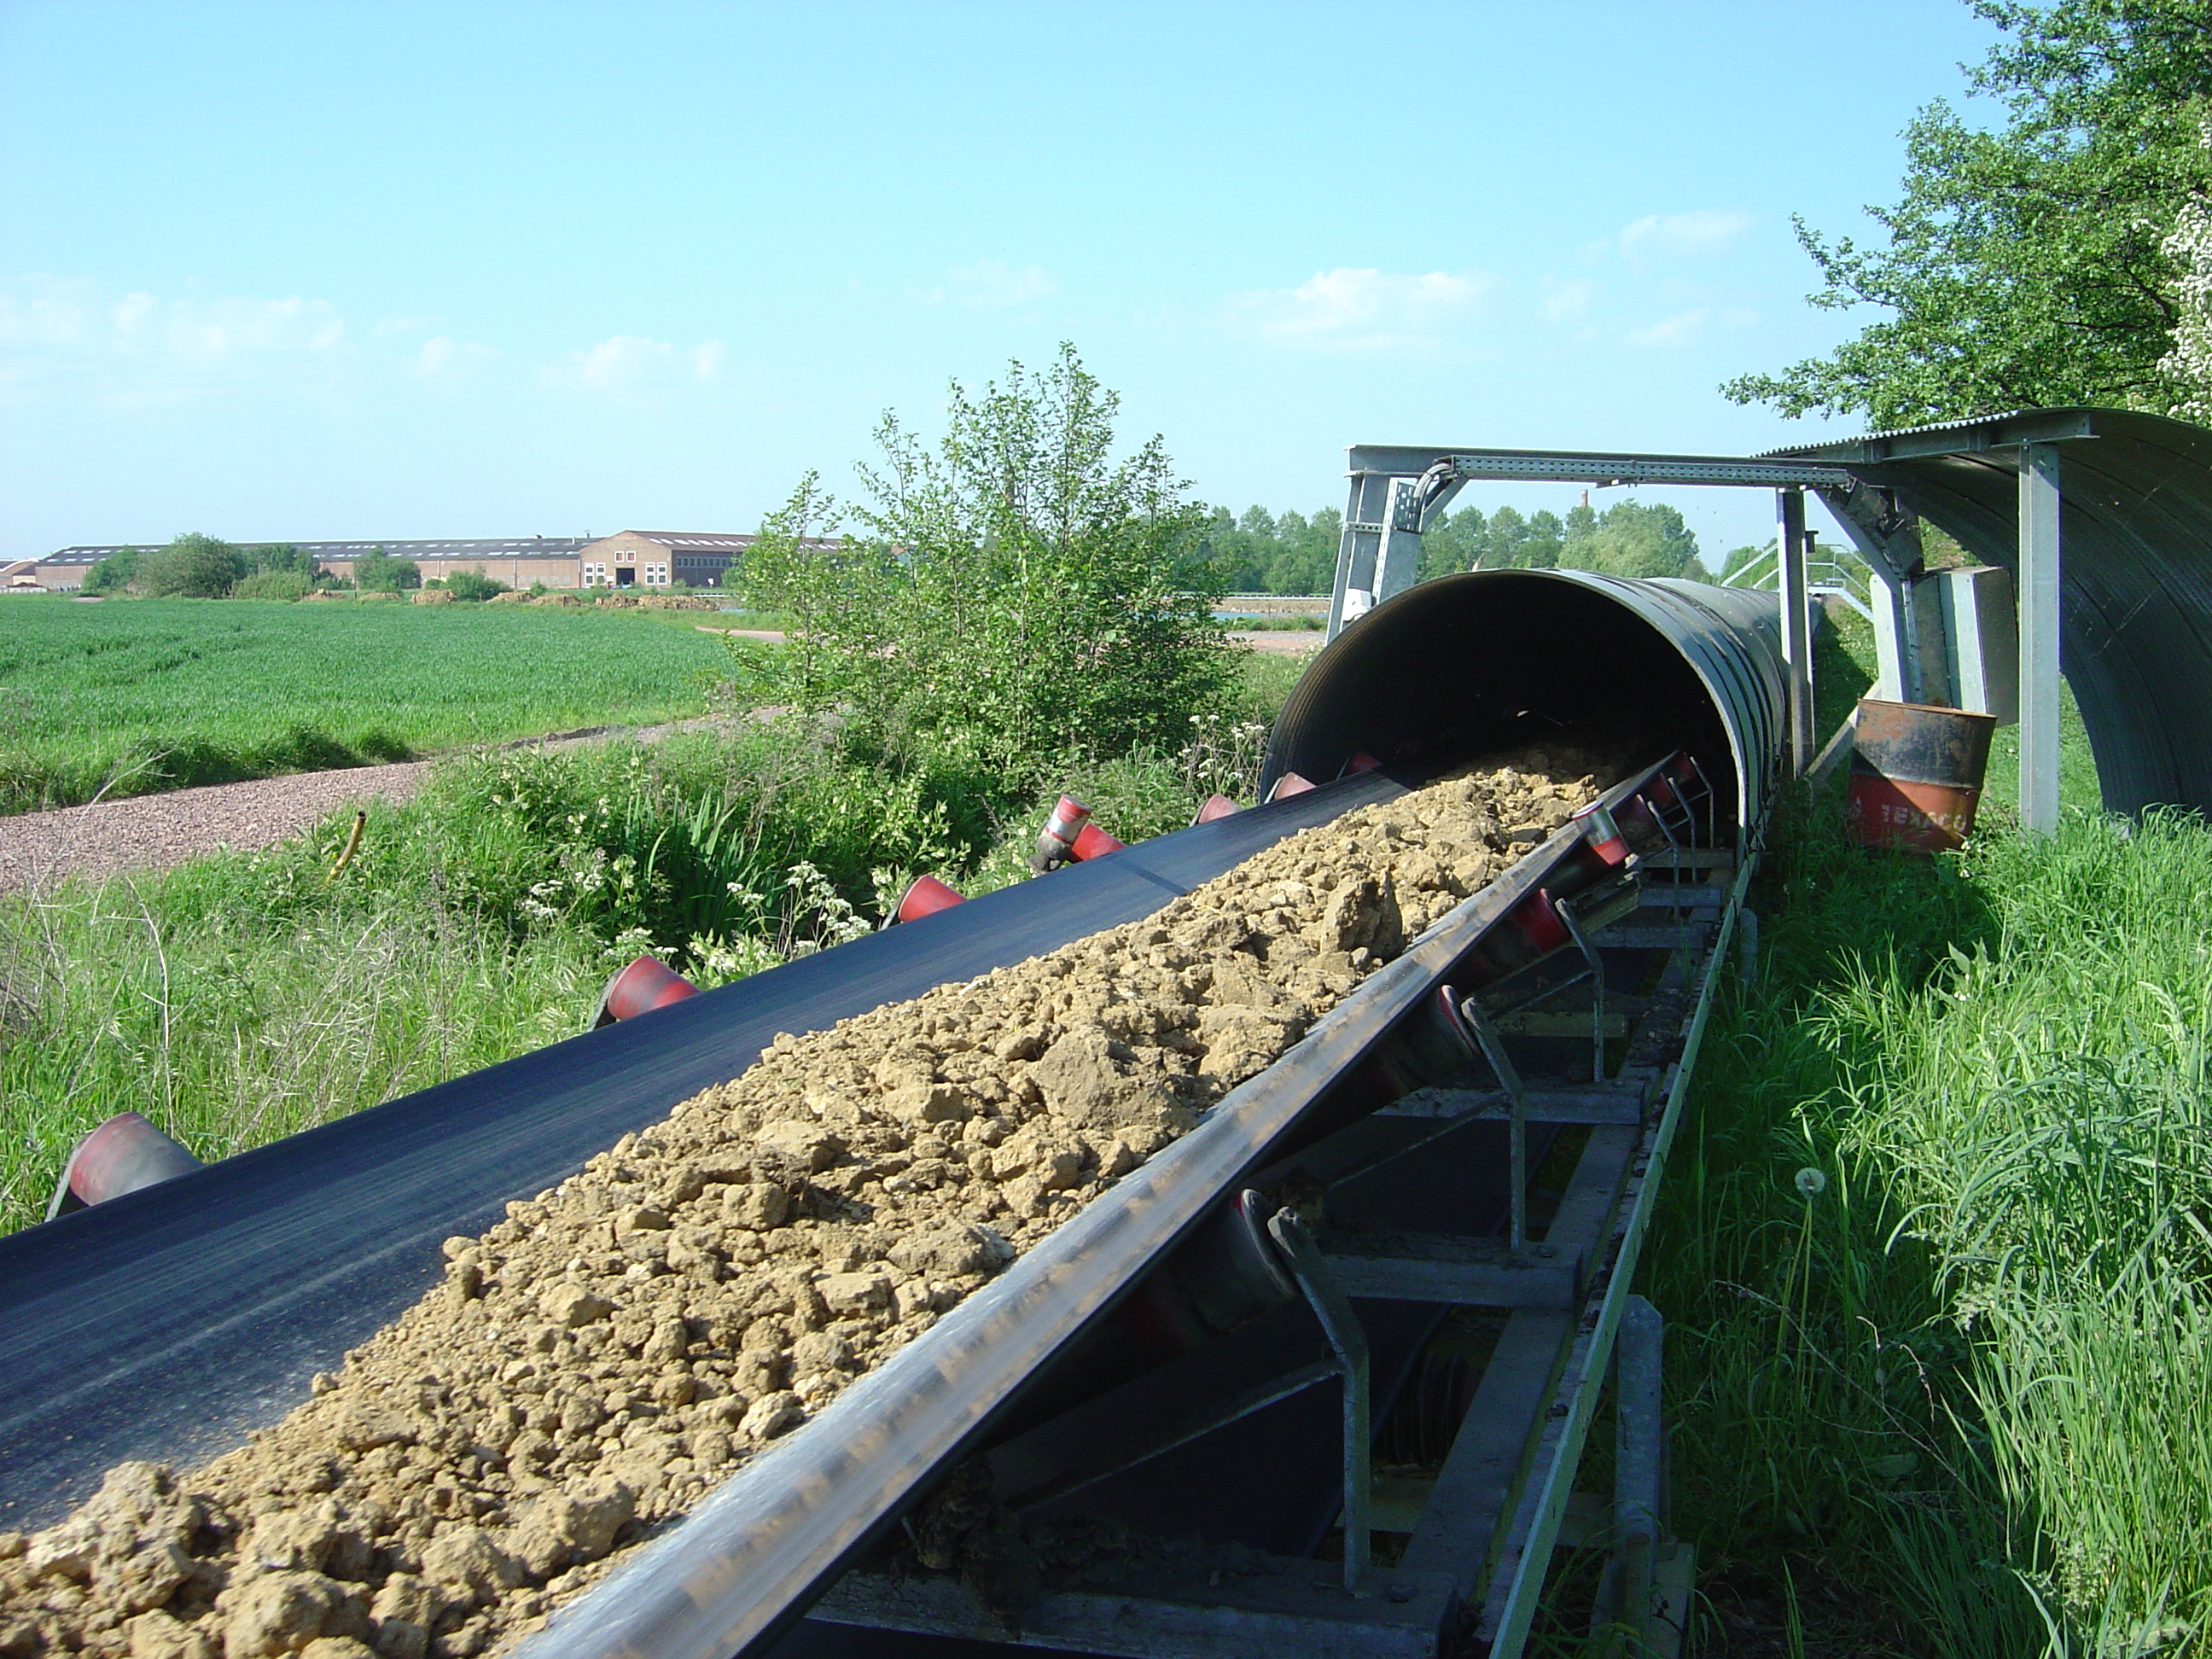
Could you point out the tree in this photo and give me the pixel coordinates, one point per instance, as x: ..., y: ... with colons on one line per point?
x: 378, y: 572
x: 1631, y: 539
x: 2032, y: 265
x: 1013, y: 592
x: 192, y: 565
x: 114, y: 573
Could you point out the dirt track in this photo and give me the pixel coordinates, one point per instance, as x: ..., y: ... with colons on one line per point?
x: 154, y: 832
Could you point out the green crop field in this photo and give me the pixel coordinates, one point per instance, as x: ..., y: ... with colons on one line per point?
x: 133, y: 696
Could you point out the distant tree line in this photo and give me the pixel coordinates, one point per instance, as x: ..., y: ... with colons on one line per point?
x: 197, y: 567
x: 1294, y: 553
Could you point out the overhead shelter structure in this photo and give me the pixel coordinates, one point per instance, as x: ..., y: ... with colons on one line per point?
x: 2126, y: 613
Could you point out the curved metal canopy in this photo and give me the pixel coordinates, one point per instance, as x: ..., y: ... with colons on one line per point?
x: 2135, y: 570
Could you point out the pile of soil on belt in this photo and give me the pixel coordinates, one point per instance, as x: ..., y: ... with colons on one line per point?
x: 587, y: 1369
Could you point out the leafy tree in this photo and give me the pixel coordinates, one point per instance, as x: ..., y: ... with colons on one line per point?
x: 1741, y: 557
x: 1011, y: 592
x: 2034, y: 264
x: 192, y: 565
x: 378, y: 572
x: 1631, y: 539
x: 114, y: 573
x: 473, y: 585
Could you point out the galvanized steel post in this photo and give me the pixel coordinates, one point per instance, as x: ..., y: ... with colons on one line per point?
x: 1796, y: 624
x: 2038, y: 637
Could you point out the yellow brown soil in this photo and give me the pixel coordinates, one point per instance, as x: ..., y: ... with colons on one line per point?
x: 587, y: 1371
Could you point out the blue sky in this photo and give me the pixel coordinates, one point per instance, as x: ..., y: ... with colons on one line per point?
x: 319, y: 270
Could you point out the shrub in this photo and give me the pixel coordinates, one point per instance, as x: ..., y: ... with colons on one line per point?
x: 1012, y: 591
x: 473, y: 585
x: 378, y: 572
x: 114, y: 573
x: 271, y: 585
x: 192, y: 566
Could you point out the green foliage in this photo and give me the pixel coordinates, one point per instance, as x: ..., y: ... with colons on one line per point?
x: 1262, y: 553
x: 114, y: 573
x: 271, y: 585
x: 1011, y: 591
x: 378, y: 572
x: 193, y: 566
x: 472, y: 585
x: 2026, y: 265
x: 157, y: 694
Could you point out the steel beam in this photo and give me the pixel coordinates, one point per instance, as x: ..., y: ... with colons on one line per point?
x: 1593, y: 467
x: 2038, y: 637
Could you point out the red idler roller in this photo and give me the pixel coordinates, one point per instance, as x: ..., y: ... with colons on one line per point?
x: 1361, y: 760
x: 1093, y: 843
x: 1216, y: 806
x: 925, y: 897
x: 646, y: 984
x: 1289, y: 784
x: 120, y: 1156
x: 1430, y: 1045
x: 1529, y: 930
x: 1604, y: 848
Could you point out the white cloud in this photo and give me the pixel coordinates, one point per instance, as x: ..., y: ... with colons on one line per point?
x: 64, y: 335
x: 1683, y: 328
x: 989, y: 284
x: 1359, y: 308
x: 632, y: 368
x: 1697, y: 234
x: 1566, y: 302
x: 441, y: 357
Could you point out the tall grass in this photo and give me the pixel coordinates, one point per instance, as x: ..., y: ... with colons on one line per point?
x: 1936, y: 1251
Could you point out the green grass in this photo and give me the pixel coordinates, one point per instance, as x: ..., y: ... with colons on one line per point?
x: 130, y: 697
x: 1954, y: 1398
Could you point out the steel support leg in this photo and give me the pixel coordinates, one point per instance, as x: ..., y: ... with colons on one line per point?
x: 1574, y: 926
x: 1349, y: 1341
x: 1796, y: 624
x: 1508, y: 1079
x: 1637, y: 1357
x: 2039, y: 638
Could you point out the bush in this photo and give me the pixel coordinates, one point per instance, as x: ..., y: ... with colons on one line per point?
x: 114, y: 573
x: 1012, y: 593
x: 473, y: 585
x: 272, y: 585
x: 192, y: 566
x: 378, y: 572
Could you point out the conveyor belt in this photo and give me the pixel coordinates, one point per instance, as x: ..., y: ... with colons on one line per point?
x: 167, y: 1323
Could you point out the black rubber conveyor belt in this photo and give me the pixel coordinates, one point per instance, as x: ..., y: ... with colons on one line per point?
x: 167, y: 1323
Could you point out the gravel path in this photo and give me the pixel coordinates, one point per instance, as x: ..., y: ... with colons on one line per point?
x: 153, y: 832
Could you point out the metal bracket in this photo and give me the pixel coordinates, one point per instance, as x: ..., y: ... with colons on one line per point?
x: 1333, y: 1308
x: 1508, y: 1079
x: 1573, y: 925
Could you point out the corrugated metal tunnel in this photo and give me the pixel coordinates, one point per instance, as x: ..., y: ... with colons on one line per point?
x: 1471, y: 664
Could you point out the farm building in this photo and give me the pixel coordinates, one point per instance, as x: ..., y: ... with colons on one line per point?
x: 640, y: 558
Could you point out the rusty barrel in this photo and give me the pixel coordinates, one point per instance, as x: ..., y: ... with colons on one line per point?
x: 1915, y: 775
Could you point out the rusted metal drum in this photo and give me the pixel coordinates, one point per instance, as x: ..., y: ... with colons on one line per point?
x: 1915, y: 775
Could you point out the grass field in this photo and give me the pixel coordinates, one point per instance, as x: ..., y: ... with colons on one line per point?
x: 130, y: 697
